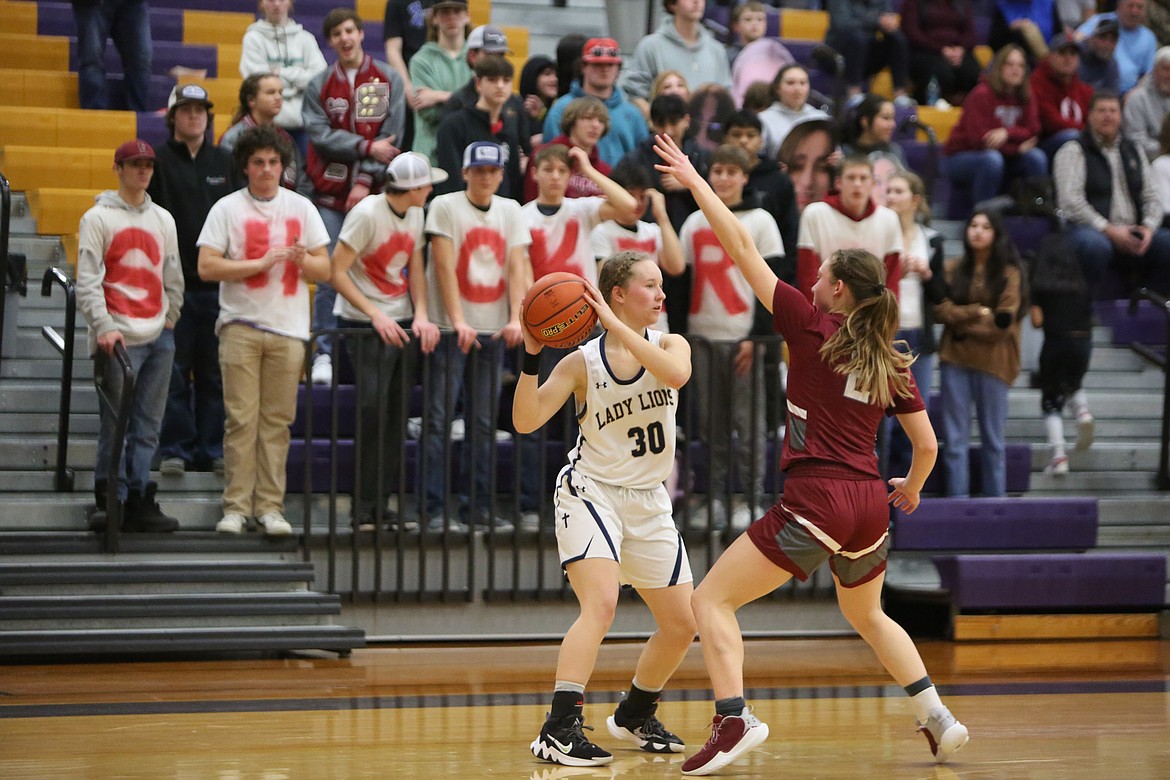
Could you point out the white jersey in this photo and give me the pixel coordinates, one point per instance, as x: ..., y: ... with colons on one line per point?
x: 384, y: 243
x: 723, y: 304
x: 560, y: 241
x: 627, y: 427
x: 610, y: 237
x: 241, y: 227
x: 482, y: 239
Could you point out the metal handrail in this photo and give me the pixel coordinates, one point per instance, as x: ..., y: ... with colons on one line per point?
x: 63, y: 476
x: 1162, y: 479
x: 120, y: 408
x: 929, y: 175
x: 5, y: 217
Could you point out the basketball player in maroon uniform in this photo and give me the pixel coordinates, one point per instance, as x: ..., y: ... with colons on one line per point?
x: 845, y: 376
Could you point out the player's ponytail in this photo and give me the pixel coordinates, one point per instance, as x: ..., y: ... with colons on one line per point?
x: 864, y: 345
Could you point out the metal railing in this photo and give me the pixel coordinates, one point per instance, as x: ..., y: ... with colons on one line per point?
x: 63, y: 344
x: 120, y: 408
x: 1162, y: 479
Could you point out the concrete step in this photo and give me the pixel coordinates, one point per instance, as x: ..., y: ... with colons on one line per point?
x: 181, y: 640
x: 190, y: 482
x: 1022, y: 429
x: 81, y: 546
x: 53, y: 578
x: 1137, y: 508
x: 1091, y: 483
x: 1117, y: 405
x: 1105, y: 456
x: 1099, y: 382
x: 47, y: 368
x: 21, y: 221
x: 45, y: 423
x: 39, y: 252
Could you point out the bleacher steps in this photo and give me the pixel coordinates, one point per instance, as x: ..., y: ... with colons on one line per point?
x: 548, y: 24
x: 339, y: 639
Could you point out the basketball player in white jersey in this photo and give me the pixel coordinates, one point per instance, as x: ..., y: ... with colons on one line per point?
x: 612, y: 511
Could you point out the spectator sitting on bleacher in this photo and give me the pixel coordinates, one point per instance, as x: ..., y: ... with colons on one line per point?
x: 868, y: 34
x: 260, y: 101
x: 1109, y: 223
x: 584, y: 123
x: 979, y: 356
x: 1029, y: 24
x: 1136, y: 43
x: 278, y: 45
x: 1147, y: 105
x: 870, y: 130
x: 757, y: 97
x: 682, y: 43
x: 997, y: 132
x: 437, y: 70
x: 1160, y: 171
x: 790, y: 89
x: 128, y: 23
x: 941, y: 34
x: 130, y: 290
x: 1062, y: 99
x: 1074, y: 13
x: 354, y: 125
x: 749, y: 22
x: 1099, y: 67
x: 601, y: 60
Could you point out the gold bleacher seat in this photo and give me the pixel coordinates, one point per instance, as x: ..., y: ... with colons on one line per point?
x: 19, y: 18
x: 58, y: 210
x: 43, y: 52
x: 29, y: 167
x: 229, y: 60
x: 941, y: 120
x: 70, y: 127
x: 214, y: 27
x: 47, y: 88
x: 803, y: 25
x: 481, y: 12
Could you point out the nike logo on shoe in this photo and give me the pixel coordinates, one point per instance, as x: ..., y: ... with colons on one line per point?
x: 561, y: 747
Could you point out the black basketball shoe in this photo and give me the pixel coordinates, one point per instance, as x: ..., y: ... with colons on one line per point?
x: 563, y: 742
x: 646, y: 732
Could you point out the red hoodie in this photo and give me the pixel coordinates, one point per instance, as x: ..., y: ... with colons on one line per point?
x: 983, y: 111
x: 579, y: 186
x: 1062, y: 105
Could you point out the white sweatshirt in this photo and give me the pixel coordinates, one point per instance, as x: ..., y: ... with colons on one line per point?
x: 289, y: 50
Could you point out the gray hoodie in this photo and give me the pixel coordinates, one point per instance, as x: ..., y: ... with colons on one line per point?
x: 1145, y: 107
x: 705, y: 62
x: 290, y: 50
x: 129, y: 277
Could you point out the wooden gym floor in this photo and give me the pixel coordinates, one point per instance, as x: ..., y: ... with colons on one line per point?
x: 1036, y: 710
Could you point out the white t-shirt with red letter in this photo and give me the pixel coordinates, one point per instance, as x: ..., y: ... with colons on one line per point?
x: 560, y: 241
x: 383, y: 242
x: 610, y: 238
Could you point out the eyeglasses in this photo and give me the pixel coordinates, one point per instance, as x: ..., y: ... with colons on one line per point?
x: 604, y: 51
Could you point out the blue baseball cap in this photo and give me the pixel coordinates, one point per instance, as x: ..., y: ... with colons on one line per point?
x: 484, y: 154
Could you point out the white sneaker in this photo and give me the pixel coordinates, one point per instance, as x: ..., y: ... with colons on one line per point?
x: 1058, y: 467
x: 717, y: 512
x: 232, y: 523
x: 744, y: 515
x: 274, y: 524
x: 1085, y: 425
x: 322, y: 373
x: 172, y: 467
x: 945, y: 734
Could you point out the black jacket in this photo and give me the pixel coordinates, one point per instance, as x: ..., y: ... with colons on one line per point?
x: 771, y: 189
x: 460, y: 128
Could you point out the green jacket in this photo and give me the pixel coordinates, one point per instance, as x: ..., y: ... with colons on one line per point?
x: 432, y: 67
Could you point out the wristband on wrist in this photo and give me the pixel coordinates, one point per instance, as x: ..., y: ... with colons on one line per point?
x: 531, y: 364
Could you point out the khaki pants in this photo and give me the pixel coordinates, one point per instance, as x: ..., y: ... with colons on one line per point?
x: 260, y: 375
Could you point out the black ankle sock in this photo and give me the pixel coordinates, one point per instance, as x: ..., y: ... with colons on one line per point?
x: 639, y: 703
x: 565, y: 703
x: 732, y: 706
x: 918, y: 686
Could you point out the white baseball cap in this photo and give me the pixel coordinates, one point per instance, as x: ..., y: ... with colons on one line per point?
x: 411, y: 170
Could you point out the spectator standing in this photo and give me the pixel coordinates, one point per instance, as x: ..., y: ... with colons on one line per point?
x: 438, y: 69
x: 262, y: 243
x: 477, y: 277
x: 1136, y: 43
x: 354, y: 126
x: 494, y: 119
x: 790, y: 90
x: 538, y: 87
x: 1110, y: 223
x: 377, y: 267
x: 191, y: 174
x: 768, y: 186
x: 482, y: 41
x: 670, y: 82
x: 584, y: 122
x: 1062, y: 99
x: 980, y: 350
x: 941, y: 36
x: 867, y: 33
x: 128, y: 23
x: 870, y: 130
x: 1099, y: 67
x: 278, y: 45
x: 130, y: 290
x: 260, y: 102
x: 1147, y: 105
x: 997, y: 132
x: 681, y: 43
x: 405, y: 29
x: 601, y: 60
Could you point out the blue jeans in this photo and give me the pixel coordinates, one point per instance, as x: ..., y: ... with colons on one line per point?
x: 962, y: 387
x: 152, y: 367
x: 1095, y: 252
x: 470, y: 382
x: 1051, y: 145
x: 323, y: 299
x: 128, y: 23
x: 192, y: 428
x: 900, y: 451
x: 985, y: 171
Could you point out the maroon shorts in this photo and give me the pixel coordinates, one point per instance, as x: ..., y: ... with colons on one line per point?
x: 846, y: 521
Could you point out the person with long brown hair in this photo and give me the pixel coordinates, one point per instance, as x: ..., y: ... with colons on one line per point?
x: 846, y: 375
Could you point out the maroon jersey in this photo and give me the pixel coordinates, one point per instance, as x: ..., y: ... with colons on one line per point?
x: 830, y: 422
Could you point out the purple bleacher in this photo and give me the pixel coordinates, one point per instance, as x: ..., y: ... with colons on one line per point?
x: 160, y: 91
x: 166, y: 24
x: 167, y: 54
x: 152, y: 128
x: 1073, y: 581
x: 322, y: 468
x: 918, y: 157
x: 1027, y: 232
x: 322, y: 415
x: 801, y: 50
x: 1148, y: 326
x: 1019, y: 470
x: 982, y: 29
x: 997, y: 524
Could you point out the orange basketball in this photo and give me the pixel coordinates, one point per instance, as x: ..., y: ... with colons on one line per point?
x: 556, y: 312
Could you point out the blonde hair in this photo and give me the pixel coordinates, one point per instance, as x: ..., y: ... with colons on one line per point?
x: 617, y: 270
x: 660, y: 79
x: 864, y: 345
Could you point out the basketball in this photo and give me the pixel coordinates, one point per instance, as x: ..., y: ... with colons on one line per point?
x: 556, y: 312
